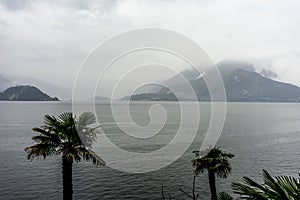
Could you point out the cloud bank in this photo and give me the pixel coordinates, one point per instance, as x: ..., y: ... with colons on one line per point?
x: 48, y: 40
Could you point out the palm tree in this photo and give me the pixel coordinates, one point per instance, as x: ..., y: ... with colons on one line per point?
x: 278, y: 188
x: 224, y: 196
x: 61, y: 136
x: 216, y: 162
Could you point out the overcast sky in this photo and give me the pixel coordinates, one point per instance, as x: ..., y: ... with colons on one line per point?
x: 48, y: 40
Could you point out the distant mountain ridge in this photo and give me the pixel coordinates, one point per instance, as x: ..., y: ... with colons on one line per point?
x: 7, y: 81
x: 25, y: 93
x: 242, y: 84
x: 100, y: 99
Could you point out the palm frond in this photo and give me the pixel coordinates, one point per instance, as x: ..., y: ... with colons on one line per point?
x: 248, y: 192
x: 273, y: 187
x: 281, y: 187
x: 224, y: 196
x: 46, y: 137
x: 50, y: 122
x: 40, y: 150
x: 290, y: 184
x: 90, y: 155
x: 87, y: 132
x: 66, y: 117
x: 213, y: 159
x: 87, y: 119
x: 59, y: 135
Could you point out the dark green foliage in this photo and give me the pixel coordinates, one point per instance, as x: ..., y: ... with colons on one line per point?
x: 60, y: 136
x: 278, y: 188
x: 215, y: 162
x: 224, y: 196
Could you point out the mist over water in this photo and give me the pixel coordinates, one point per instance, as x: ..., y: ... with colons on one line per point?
x: 261, y: 135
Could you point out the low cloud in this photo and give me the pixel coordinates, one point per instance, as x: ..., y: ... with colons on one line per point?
x: 48, y: 40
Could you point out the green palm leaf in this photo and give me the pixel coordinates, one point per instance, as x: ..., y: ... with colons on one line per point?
x: 224, y: 196
x: 69, y: 136
x: 278, y: 188
x: 215, y: 162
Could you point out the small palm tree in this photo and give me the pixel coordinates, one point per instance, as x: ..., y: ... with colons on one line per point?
x: 216, y: 162
x: 278, y: 188
x: 61, y: 136
x: 224, y: 196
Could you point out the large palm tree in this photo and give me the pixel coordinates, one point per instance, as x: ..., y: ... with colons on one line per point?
x: 69, y: 137
x: 216, y: 162
x: 278, y: 188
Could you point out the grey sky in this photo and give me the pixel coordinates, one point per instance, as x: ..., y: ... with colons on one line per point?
x: 48, y: 40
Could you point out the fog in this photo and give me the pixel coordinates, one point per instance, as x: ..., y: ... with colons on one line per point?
x: 45, y: 42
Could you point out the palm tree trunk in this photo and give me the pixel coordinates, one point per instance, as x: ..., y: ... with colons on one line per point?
x: 212, y: 184
x: 67, y: 178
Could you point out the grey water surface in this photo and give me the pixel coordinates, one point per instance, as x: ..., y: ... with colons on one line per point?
x: 261, y: 135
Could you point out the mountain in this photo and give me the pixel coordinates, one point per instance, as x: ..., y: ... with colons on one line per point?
x: 100, y: 99
x: 44, y: 85
x: 151, y: 97
x: 25, y: 93
x: 242, y: 84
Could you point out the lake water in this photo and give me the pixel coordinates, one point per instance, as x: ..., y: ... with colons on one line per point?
x: 261, y: 135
